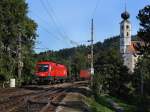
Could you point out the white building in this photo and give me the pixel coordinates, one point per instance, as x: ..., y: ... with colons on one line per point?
x: 127, y: 49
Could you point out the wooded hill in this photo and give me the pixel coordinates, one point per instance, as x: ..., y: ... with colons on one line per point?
x: 76, y: 58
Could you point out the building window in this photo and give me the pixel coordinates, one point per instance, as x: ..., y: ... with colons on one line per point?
x: 127, y: 27
x: 127, y: 34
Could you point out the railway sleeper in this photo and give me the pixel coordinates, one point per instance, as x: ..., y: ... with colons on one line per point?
x: 36, y: 106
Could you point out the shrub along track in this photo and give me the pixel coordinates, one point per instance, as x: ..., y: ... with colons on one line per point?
x: 36, y: 101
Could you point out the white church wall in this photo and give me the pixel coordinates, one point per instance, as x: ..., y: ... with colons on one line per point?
x: 129, y: 61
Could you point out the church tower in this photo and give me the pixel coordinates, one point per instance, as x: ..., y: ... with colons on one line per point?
x: 125, y: 42
x: 127, y: 50
x: 125, y: 33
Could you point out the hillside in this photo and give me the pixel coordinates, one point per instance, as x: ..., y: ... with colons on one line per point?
x: 76, y: 58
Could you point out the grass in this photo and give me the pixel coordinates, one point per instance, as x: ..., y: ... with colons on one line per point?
x: 99, y: 107
x: 126, y: 106
x: 101, y: 104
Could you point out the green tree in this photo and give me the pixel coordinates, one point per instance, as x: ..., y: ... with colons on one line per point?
x: 141, y: 77
x: 14, y: 23
x: 144, y: 31
x: 79, y: 61
x: 143, y: 67
x: 113, y: 76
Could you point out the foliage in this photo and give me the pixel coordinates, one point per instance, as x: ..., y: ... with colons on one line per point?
x: 74, y: 58
x: 14, y: 23
x: 99, y: 104
x: 142, y: 70
x: 144, y: 32
x: 141, y: 77
x: 112, y: 76
x: 143, y: 67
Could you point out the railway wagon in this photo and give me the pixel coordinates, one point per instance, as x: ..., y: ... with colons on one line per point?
x: 85, y: 75
x: 48, y: 71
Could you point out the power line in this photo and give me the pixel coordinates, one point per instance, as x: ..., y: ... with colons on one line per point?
x: 59, y: 24
x: 41, y: 48
x: 54, y: 21
x: 95, y: 9
x: 49, y: 32
x: 43, y: 20
x: 43, y: 27
x: 63, y: 31
x: 52, y: 18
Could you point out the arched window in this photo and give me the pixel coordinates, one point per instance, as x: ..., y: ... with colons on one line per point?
x: 127, y: 27
x: 127, y: 34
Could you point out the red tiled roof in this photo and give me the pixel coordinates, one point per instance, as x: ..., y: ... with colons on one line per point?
x: 132, y: 47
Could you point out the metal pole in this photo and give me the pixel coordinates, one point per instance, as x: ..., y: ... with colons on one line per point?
x: 92, y: 72
x: 92, y: 68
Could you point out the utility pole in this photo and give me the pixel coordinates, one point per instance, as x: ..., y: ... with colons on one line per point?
x: 92, y: 66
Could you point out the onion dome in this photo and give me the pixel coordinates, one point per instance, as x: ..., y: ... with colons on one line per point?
x: 125, y: 15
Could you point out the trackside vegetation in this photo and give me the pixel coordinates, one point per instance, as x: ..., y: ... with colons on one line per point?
x: 15, y: 23
x: 131, y: 91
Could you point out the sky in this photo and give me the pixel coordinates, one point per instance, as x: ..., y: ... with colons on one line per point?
x: 67, y: 23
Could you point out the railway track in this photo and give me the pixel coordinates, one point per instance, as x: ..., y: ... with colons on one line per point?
x: 44, y: 100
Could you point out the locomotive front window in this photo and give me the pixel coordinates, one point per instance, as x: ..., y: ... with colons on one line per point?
x: 43, y: 68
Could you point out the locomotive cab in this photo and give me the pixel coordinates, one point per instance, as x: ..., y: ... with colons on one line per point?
x: 48, y: 71
x: 42, y: 70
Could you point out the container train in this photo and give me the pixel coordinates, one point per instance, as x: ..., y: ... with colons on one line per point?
x: 51, y: 72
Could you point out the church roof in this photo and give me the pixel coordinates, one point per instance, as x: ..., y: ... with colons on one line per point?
x: 132, y: 47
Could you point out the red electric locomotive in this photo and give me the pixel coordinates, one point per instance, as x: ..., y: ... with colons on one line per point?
x: 48, y: 71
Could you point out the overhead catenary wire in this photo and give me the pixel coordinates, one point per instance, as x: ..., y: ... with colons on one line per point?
x: 43, y: 46
x: 94, y: 13
x: 62, y: 34
x: 52, y: 18
x: 45, y: 29
x: 95, y: 9
x: 63, y: 31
